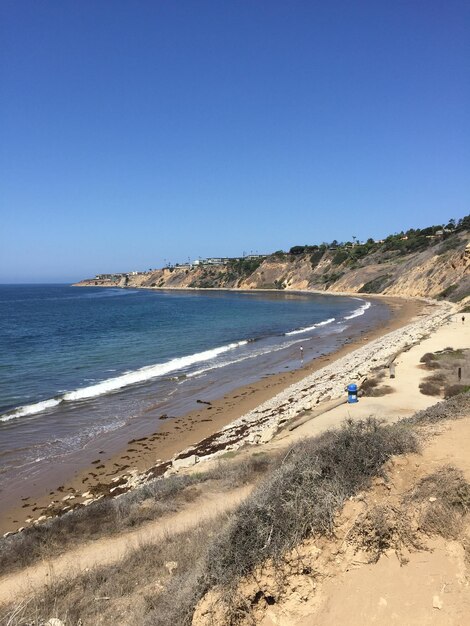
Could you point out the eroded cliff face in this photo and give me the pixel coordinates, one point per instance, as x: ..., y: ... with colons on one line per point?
x: 440, y: 271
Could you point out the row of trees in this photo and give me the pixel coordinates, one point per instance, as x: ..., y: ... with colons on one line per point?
x: 412, y: 240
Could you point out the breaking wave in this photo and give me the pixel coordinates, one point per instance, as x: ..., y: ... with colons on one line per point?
x: 118, y: 382
x: 306, y: 330
x: 360, y: 311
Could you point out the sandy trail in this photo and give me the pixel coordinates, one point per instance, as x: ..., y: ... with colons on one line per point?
x: 431, y: 589
x: 406, y: 398
x: 109, y: 550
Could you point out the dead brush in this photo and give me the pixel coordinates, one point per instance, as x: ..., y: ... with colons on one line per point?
x: 444, y: 499
x: 109, y: 516
x: 299, y: 498
x: 140, y: 586
x: 429, y: 361
x: 454, y: 390
x: 383, y: 528
x: 453, y: 409
x: 432, y: 385
x: 302, y: 496
x: 466, y: 548
x: 373, y: 387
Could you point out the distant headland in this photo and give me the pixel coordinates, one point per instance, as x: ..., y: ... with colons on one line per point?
x: 431, y: 262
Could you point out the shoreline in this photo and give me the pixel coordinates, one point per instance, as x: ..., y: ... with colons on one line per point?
x: 151, y: 455
x: 319, y: 292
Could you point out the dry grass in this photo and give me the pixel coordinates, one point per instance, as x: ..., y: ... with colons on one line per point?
x: 130, y: 510
x: 302, y: 496
x: 444, y: 382
x: 450, y: 352
x: 444, y: 499
x: 453, y: 390
x: 373, y: 387
x: 429, y: 361
x: 455, y: 408
x: 127, y: 592
x: 437, y: 505
x: 299, y: 498
x: 430, y: 388
x: 433, y: 385
x: 383, y: 528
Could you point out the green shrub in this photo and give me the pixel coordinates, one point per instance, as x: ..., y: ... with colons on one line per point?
x: 447, y: 291
x: 376, y: 285
x: 327, y: 278
x: 297, y: 250
x: 244, y: 267
x: 316, y: 257
x: 340, y: 257
x: 449, y: 244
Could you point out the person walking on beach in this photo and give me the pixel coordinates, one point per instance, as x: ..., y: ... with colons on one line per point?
x: 301, y: 354
x: 463, y: 319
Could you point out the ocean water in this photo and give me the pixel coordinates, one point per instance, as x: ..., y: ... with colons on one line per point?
x: 79, y: 363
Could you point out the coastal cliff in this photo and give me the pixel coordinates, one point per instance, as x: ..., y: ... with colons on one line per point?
x: 441, y: 270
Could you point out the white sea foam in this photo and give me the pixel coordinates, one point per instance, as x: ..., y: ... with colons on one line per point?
x: 360, y: 311
x: 30, y: 409
x: 339, y: 328
x: 252, y: 355
x: 309, y: 328
x: 124, y: 380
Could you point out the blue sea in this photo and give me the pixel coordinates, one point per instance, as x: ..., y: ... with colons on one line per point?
x: 77, y: 364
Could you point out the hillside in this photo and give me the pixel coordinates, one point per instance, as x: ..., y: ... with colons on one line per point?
x: 425, y: 266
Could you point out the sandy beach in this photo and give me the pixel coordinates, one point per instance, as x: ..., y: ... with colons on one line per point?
x: 151, y: 455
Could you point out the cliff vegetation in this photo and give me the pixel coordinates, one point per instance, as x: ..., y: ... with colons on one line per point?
x: 431, y: 262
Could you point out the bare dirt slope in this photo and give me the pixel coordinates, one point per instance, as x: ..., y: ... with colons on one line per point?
x: 432, y: 587
x: 394, y: 557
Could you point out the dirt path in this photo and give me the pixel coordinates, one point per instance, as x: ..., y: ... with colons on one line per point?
x: 110, y: 550
x: 430, y: 589
x: 405, y: 398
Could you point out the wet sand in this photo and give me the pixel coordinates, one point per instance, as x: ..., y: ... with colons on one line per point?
x: 176, y: 434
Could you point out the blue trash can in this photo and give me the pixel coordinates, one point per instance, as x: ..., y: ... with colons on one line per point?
x: 352, y: 393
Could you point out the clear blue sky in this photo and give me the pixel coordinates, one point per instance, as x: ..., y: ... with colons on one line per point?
x: 133, y: 132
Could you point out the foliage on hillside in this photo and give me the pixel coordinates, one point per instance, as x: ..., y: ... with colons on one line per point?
x: 404, y: 242
x: 430, y: 262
